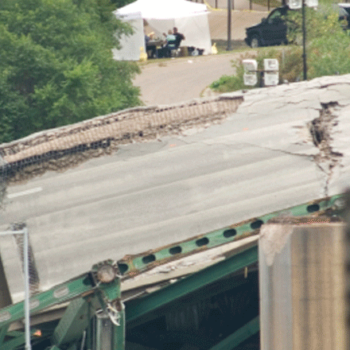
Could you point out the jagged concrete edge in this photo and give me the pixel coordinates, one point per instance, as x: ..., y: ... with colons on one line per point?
x: 103, y: 134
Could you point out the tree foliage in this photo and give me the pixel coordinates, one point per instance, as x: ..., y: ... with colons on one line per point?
x: 56, y: 64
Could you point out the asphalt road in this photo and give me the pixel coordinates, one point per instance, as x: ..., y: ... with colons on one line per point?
x: 147, y: 195
x: 182, y: 79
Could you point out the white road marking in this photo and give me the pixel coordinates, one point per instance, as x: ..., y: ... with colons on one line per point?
x: 24, y: 193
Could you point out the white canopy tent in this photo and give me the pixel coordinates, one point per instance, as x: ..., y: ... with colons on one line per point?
x: 190, y: 18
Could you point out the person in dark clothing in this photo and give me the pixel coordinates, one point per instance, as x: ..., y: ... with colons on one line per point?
x: 179, y: 37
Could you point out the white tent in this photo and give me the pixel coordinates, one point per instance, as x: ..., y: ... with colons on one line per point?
x: 190, y: 18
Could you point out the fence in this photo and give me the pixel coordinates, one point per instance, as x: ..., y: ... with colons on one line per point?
x: 252, y: 5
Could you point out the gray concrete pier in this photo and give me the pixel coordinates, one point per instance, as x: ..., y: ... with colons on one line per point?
x: 302, y: 286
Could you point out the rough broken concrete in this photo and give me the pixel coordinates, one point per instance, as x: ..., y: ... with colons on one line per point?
x: 283, y: 146
x: 65, y: 147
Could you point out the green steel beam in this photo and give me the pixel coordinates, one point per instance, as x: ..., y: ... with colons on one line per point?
x: 238, y: 337
x: 77, y: 316
x: 119, y: 331
x: 72, y: 324
x: 3, y: 332
x: 200, y: 295
x: 64, y: 292
x: 13, y: 343
x: 73, y: 347
x: 159, y: 339
x: 138, y: 263
x: 14, y: 334
x: 16, y: 341
x: 140, y: 307
x: 221, y: 287
x: 96, y: 285
x: 86, y: 284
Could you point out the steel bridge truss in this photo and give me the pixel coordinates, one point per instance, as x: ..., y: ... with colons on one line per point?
x: 95, y: 316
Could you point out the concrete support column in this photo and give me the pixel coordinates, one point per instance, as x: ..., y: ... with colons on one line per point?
x: 302, y: 286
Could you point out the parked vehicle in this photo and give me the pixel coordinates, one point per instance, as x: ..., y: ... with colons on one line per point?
x: 273, y: 29
x: 344, y: 14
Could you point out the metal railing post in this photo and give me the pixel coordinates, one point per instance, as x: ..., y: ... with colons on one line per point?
x: 26, y: 288
x: 24, y: 232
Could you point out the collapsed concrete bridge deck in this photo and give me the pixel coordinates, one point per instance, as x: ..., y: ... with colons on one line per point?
x: 156, y: 181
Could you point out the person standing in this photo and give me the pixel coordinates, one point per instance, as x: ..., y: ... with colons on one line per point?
x: 179, y: 37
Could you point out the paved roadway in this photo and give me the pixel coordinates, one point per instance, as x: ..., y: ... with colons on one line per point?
x: 148, y: 195
x: 183, y: 78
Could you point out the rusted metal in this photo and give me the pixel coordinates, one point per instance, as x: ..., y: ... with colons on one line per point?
x: 317, y: 211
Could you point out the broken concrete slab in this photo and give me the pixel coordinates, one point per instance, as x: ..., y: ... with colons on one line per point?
x: 262, y: 157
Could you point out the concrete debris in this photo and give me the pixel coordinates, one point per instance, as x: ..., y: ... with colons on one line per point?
x: 321, y: 130
x: 61, y: 148
x: 272, y: 240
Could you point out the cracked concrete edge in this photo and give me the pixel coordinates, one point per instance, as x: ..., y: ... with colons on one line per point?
x: 192, y: 118
x: 66, y: 147
x: 320, y: 95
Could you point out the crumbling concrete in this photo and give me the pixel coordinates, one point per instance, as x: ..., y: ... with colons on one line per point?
x: 61, y: 148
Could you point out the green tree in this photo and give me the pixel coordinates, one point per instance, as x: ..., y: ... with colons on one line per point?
x: 56, y: 64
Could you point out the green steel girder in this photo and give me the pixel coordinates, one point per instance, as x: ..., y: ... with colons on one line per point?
x: 86, y: 286
x: 75, y: 319
x: 159, y: 340
x: 64, y: 292
x: 119, y: 331
x: 17, y: 340
x: 82, y: 285
x: 238, y: 337
x: 200, y: 295
x: 77, y: 316
x: 138, y: 263
x: 138, y: 308
x: 221, y: 287
x: 73, y: 347
x: 3, y: 332
x: 73, y: 323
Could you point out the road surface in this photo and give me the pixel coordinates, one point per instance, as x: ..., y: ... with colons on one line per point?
x: 183, y: 78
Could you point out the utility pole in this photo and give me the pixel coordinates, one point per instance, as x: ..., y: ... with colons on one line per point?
x: 304, y: 43
x: 229, y: 10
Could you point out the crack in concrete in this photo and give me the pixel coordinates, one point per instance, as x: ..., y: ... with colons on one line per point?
x: 333, y: 84
x: 297, y: 103
x: 321, y: 132
x: 309, y: 156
